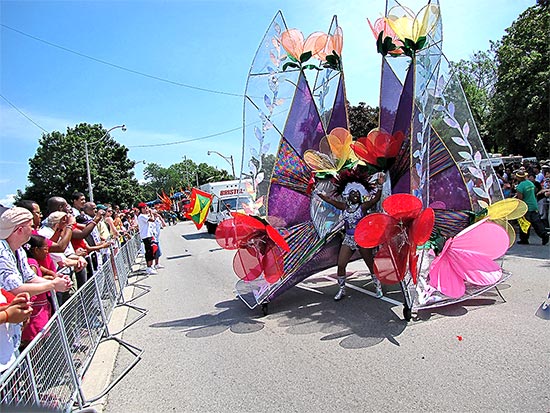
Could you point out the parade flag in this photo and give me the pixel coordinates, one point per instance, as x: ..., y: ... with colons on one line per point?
x: 198, y: 210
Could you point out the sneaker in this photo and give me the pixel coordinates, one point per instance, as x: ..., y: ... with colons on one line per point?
x: 545, y: 239
x: 159, y: 266
x: 150, y: 271
x: 523, y: 242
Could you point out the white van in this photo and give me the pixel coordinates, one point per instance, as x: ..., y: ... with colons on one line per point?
x: 228, y: 196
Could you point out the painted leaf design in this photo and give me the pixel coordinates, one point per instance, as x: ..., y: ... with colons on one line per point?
x: 466, y: 130
x: 480, y: 192
x: 273, y: 59
x: 465, y: 155
x: 267, y: 101
x: 451, y: 109
x: 252, y: 167
x: 475, y: 172
x: 477, y: 157
x: 257, y: 133
x: 459, y: 141
x: 483, y: 204
x: 451, y: 122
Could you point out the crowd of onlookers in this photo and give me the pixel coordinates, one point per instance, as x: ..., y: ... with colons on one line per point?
x: 56, y: 253
x: 529, y: 182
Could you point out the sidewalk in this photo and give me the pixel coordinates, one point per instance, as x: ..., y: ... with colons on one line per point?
x: 100, y: 372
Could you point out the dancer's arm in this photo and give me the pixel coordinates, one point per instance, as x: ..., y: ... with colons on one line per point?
x: 331, y: 201
x: 365, y: 206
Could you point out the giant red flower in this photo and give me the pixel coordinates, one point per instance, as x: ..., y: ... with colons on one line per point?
x: 399, y: 231
x: 259, y: 247
x: 378, y: 147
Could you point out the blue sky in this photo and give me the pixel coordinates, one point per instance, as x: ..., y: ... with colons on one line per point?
x: 206, y: 44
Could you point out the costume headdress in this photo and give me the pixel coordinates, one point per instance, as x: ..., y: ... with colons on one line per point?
x: 351, y: 180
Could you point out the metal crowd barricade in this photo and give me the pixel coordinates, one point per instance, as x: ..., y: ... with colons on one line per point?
x: 49, y: 371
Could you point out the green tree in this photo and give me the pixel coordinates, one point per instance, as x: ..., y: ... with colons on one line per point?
x: 179, y: 176
x: 478, y: 78
x: 362, y: 119
x: 521, y: 115
x: 59, y: 167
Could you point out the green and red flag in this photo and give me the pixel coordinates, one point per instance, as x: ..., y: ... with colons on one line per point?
x: 198, y: 210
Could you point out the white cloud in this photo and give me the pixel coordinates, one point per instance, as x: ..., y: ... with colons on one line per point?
x: 8, y: 200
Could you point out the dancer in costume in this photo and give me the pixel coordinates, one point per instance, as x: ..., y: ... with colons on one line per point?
x: 359, y: 196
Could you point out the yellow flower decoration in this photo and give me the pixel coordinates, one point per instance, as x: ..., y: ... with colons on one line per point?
x: 334, y: 152
x: 413, y: 29
x: 506, y: 210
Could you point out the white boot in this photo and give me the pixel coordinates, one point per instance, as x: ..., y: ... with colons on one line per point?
x: 378, y: 287
x: 342, y: 290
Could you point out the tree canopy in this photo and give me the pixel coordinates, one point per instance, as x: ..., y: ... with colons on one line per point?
x: 520, y: 118
x: 179, y: 176
x: 59, y: 167
x: 478, y: 78
x: 362, y: 119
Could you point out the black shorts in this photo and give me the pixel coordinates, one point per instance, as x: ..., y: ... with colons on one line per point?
x: 148, y: 244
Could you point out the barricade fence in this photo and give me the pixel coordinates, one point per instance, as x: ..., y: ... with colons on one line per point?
x: 49, y: 371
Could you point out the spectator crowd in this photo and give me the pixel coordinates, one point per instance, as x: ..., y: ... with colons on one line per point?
x: 45, y: 258
x: 529, y: 182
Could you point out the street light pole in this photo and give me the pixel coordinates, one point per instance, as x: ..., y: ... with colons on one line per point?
x: 229, y: 159
x: 88, y: 173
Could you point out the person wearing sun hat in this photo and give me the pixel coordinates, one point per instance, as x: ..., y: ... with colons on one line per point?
x: 526, y: 192
x: 16, y: 276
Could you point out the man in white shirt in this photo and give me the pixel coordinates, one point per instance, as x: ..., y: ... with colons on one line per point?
x: 146, y: 232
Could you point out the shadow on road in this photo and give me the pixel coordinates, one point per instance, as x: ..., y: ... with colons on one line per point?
x: 235, y: 317
x: 175, y: 257
x: 358, y: 321
x: 197, y: 235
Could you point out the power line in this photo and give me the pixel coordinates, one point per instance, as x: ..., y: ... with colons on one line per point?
x: 185, y: 141
x: 21, y: 112
x: 95, y: 59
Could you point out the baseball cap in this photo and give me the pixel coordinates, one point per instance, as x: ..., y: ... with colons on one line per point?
x: 11, y: 219
x: 101, y: 206
x: 142, y: 205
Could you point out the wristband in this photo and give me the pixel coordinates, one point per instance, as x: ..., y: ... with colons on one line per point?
x: 7, y: 317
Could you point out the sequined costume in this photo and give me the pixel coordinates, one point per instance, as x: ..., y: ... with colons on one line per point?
x: 351, y: 219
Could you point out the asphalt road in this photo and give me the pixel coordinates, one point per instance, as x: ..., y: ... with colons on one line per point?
x: 207, y: 352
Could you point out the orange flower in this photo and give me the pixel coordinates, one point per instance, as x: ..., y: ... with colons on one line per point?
x: 319, y: 44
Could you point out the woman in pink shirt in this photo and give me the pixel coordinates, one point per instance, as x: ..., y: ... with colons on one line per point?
x: 37, y: 257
